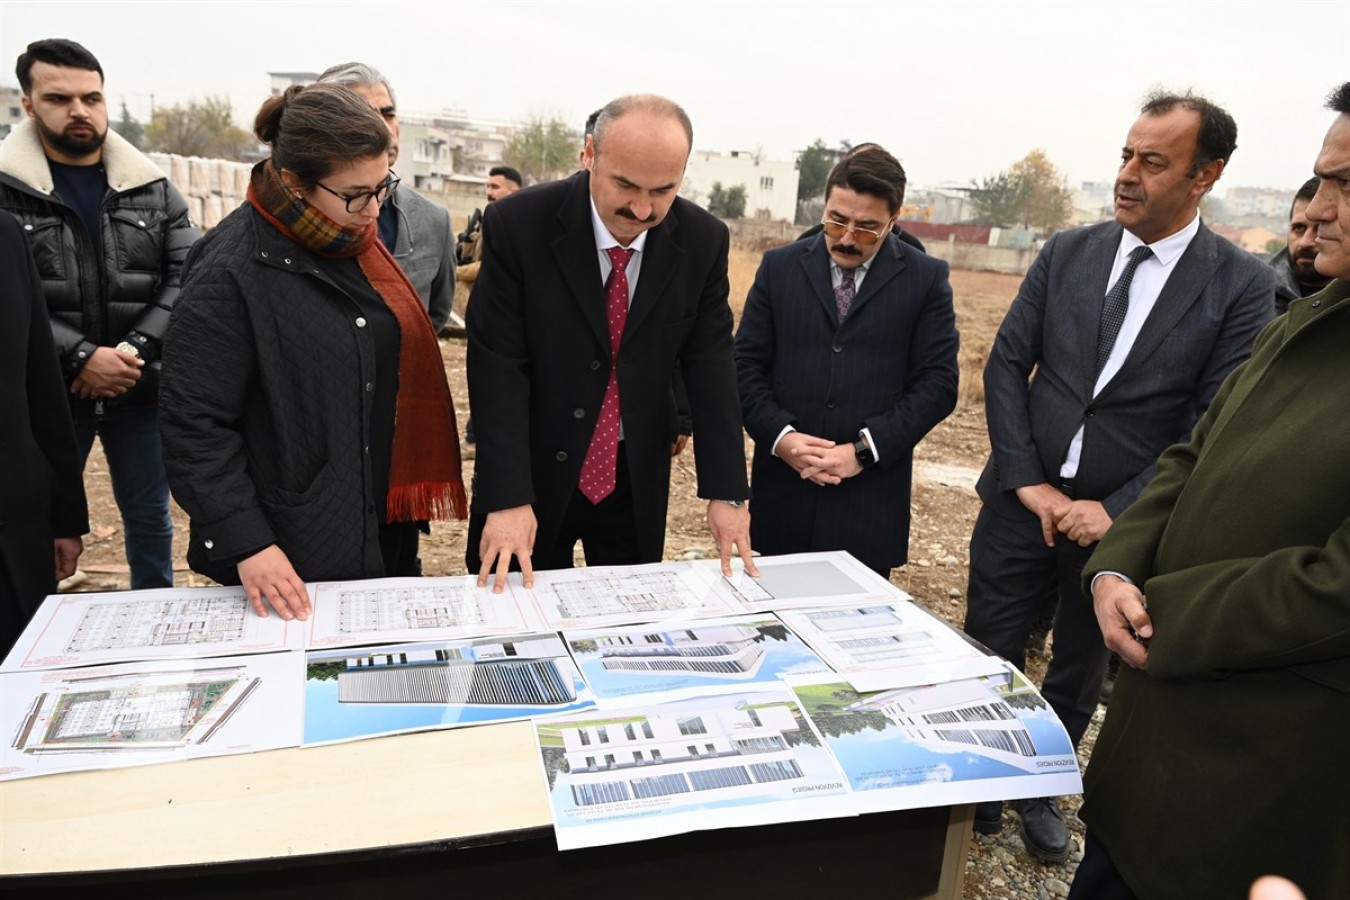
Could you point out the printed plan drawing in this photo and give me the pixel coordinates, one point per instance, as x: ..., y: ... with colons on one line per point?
x: 80, y: 629
x: 676, y: 660
x: 802, y: 579
x: 363, y: 692
x: 611, y: 595
x: 392, y: 609
x: 893, y: 644
x: 712, y: 762
x: 93, y: 718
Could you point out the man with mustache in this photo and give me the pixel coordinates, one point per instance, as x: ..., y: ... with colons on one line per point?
x: 1295, y: 275
x: 1115, y: 344
x: 846, y: 355
x: 1226, y: 589
x: 590, y: 289
x: 109, y: 235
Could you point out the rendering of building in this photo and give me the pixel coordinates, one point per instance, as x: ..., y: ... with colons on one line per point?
x: 960, y: 713
x: 662, y: 755
x: 423, y: 674
x: 735, y: 651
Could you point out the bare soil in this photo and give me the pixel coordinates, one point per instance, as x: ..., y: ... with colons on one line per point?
x: 944, y: 509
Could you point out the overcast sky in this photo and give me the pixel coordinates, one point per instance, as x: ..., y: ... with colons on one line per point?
x: 958, y: 89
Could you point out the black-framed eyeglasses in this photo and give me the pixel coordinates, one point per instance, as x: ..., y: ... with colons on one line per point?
x: 864, y: 236
x: 359, y: 201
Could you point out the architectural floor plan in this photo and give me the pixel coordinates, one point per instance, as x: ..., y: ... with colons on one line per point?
x: 81, y: 629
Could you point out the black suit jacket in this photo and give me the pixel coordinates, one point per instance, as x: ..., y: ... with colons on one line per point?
x: 891, y: 367
x: 1215, y: 301
x: 539, y: 360
x: 42, y: 492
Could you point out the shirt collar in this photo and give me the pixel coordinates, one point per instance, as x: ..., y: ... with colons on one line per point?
x: 1169, y: 248
x: 604, y: 240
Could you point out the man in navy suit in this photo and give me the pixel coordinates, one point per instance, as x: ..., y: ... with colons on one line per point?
x: 1129, y: 327
x: 846, y: 356
x: 591, y: 288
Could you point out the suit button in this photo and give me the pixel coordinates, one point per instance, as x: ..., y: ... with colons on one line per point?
x: 829, y: 404
x: 209, y: 544
x: 360, y: 322
x: 370, y: 386
x: 837, y: 347
x: 578, y: 413
x: 1091, y: 412
x: 561, y: 456
x: 595, y: 365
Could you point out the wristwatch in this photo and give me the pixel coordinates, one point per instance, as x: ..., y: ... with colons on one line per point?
x: 862, y: 451
x: 129, y: 349
x: 734, y: 504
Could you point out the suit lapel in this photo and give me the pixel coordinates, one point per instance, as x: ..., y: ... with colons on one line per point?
x: 1183, y: 288
x: 1093, y: 271
x: 661, y: 256
x: 815, y: 261
x: 886, y: 265
x: 575, y: 252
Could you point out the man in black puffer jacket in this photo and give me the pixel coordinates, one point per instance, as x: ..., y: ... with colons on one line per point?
x: 109, y: 235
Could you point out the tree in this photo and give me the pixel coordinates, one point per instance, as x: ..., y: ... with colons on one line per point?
x: 129, y: 128
x: 813, y: 167
x: 1032, y: 192
x: 204, y: 128
x: 1048, y: 201
x: 997, y: 199
x: 726, y: 203
x: 542, y: 150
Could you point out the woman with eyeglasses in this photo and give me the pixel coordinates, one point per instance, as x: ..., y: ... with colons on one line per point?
x: 307, y: 424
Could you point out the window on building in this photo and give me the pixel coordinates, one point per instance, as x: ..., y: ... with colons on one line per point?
x: 766, y: 182
x: 584, y: 736
x: 603, y: 733
x: 692, y: 725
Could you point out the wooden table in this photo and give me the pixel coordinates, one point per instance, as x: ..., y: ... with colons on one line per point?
x: 444, y: 811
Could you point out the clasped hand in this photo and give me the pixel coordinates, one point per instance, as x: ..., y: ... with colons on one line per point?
x: 1082, y: 521
x: 816, y: 459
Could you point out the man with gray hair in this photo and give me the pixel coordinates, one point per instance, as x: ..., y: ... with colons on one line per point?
x: 416, y: 231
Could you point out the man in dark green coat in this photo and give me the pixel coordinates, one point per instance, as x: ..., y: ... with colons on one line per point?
x: 1226, y: 588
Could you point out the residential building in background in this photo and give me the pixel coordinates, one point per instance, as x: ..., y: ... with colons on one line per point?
x: 770, y: 187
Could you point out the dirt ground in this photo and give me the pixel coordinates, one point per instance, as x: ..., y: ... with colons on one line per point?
x: 944, y: 509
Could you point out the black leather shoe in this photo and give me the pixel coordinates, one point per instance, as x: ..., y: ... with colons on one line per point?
x: 1043, y: 830
x: 988, y: 817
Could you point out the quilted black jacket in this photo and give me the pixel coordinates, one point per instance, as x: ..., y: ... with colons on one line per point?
x: 265, y: 408
x: 145, y: 234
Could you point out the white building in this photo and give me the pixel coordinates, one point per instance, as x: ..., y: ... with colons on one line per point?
x: 770, y: 187
x: 424, y: 674
x: 957, y: 713
x: 733, y: 651
x: 677, y: 754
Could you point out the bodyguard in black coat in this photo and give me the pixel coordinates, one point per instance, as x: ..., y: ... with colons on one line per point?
x: 42, y: 506
x: 880, y: 376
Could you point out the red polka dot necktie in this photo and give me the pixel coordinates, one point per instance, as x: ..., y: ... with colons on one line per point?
x: 599, y: 471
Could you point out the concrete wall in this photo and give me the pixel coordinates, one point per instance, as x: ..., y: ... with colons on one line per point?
x: 983, y: 258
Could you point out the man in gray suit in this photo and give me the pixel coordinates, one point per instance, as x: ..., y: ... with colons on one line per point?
x: 1129, y: 327
x: 416, y: 231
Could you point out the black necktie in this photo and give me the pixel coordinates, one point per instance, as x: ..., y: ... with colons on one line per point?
x: 1115, y: 306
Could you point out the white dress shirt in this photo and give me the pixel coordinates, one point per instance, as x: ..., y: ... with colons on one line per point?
x: 1149, y: 280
